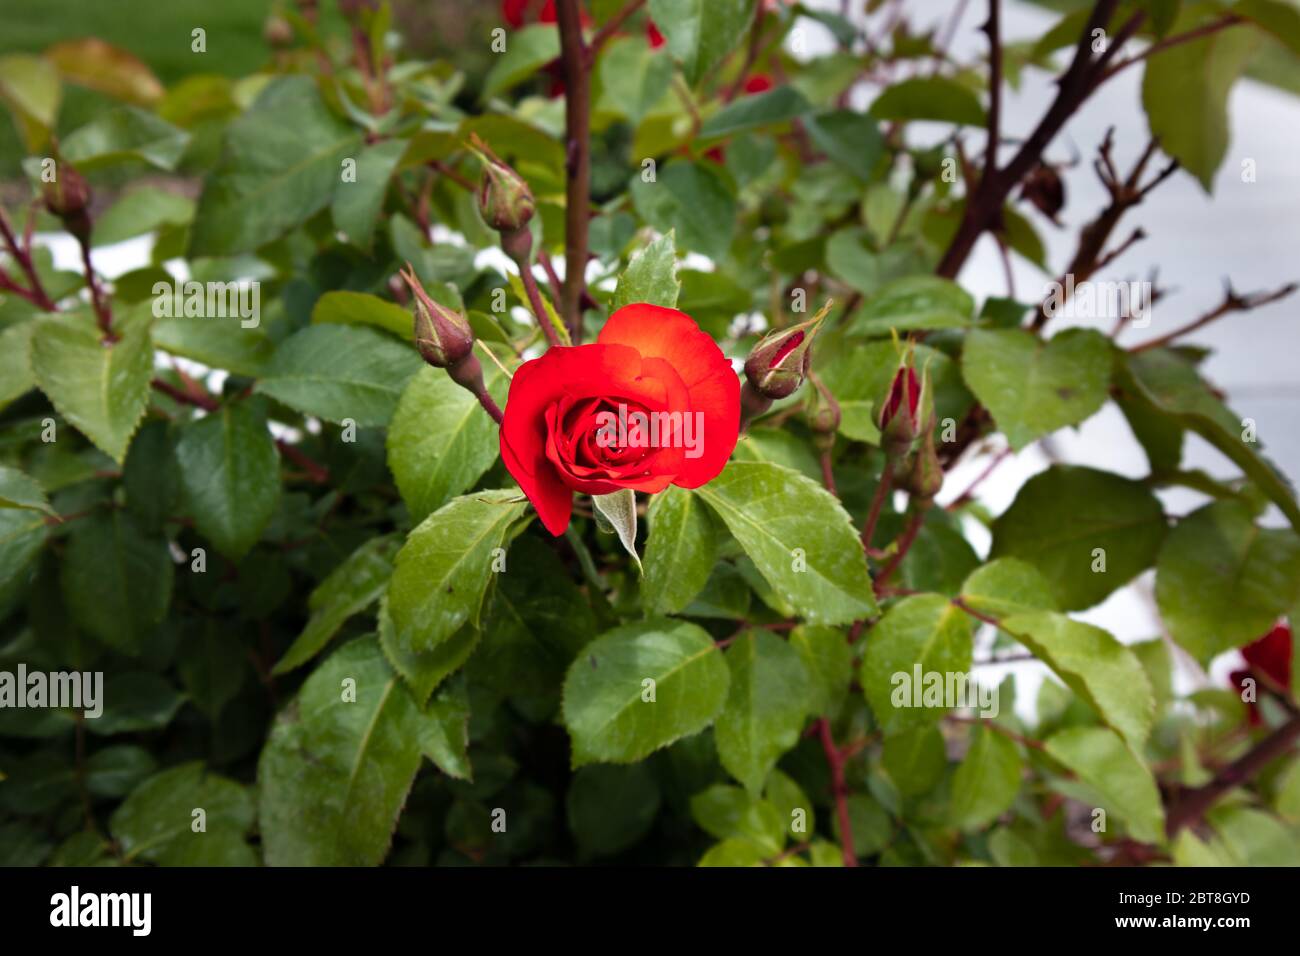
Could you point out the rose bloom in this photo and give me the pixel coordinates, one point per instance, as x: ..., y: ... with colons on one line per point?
x: 556, y: 437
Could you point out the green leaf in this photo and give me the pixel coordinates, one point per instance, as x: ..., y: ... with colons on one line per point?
x: 1032, y: 387
x: 537, y: 622
x: 157, y: 822
x: 281, y: 163
x: 1222, y: 581
x: 224, y: 343
x: 869, y: 823
x: 31, y: 88
x: 1122, y: 781
x: 700, y: 33
x: 116, y: 771
x: 929, y: 98
x: 339, y: 372
x: 728, y: 812
x: 1252, y: 837
x: 922, y: 631
x: 1008, y: 586
x: 22, y: 533
x: 424, y: 671
x: 211, y: 666
x: 140, y: 211
x: 336, y: 771
x: 22, y: 491
x: 915, y: 759
x: 361, y: 308
x: 444, y: 731
x: 619, y: 509
x: 633, y: 77
x: 441, y: 441
x: 527, y: 50
x: 771, y: 693
x: 102, y: 390
x: 987, y: 781
x: 614, y: 714
x: 358, y: 203
x: 915, y: 302
x: 358, y: 582
x: 611, y: 808
x: 680, y: 551
x: 16, y: 376
x: 778, y: 447
x: 1173, y: 387
x: 1094, y: 665
x: 799, y: 537
x: 1114, y: 523
x: 443, y: 571
x: 1276, y: 17
x: 117, y: 580
x: 734, y: 852
x: 230, y: 473
x: 1185, y: 95
x: 123, y: 134
x: 692, y: 200
x: 134, y: 702
x: 850, y: 139
x: 829, y: 660
x: 778, y: 105
x: 651, y: 276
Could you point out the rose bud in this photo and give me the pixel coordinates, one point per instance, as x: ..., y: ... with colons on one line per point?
x: 504, y: 199
x: 900, y: 415
x: 68, y: 197
x: 652, y: 402
x: 777, y: 366
x: 442, y: 335
x: 277, y: 32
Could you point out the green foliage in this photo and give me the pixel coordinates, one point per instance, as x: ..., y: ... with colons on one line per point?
x: 330, y: 630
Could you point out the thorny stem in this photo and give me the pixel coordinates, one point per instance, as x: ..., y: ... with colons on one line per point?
x: 609, y: 29
x: 1232, y: 302
x: 577, y: 94
x: 22, y: 254
x: 877, y: 502
x: 1188, y: 809
x: 904, y: 545
x: 535, y: 301
x: 103, y: 313
x: 835, y: 760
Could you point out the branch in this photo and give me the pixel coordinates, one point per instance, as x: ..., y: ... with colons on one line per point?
x: 840, y: 789
x: 103, y: 312
x: 1089, y: 256
x: 904, y: 545
x: 1232, y: 302
x: 1193, y: 804
x: 22, y: 254
x: 577, y: 167
x: 984, y: 207
x: 1230, y: 19
x: 611, y: 27
x: 993, y: 29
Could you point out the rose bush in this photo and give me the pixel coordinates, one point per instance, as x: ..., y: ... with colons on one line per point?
x: 566, y: 432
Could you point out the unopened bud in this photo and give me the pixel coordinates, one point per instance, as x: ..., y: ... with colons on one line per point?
x: 823, y: 416
x: 442, y: 335
x: 780, y: 362
x: 926, y: 477
x: 68, y: 197
x: 900, y: 415
x: 504, y: 199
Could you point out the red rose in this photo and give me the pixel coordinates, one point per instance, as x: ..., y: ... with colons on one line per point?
x: 1270, y: 656
x: 758, y: 83
x: 652, y: 403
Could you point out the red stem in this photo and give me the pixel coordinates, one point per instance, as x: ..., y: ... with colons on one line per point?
x: 835, y: 760
x: 577, y: 167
